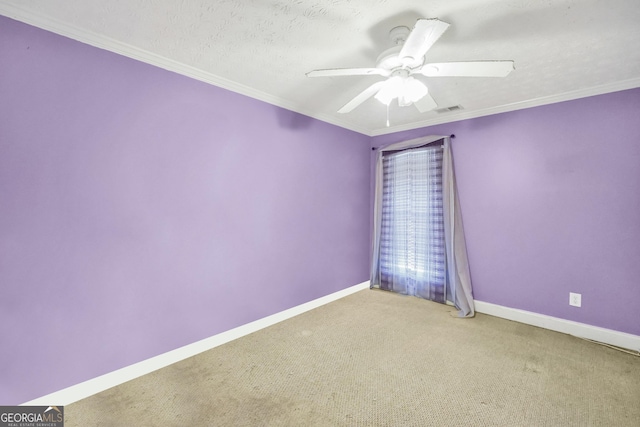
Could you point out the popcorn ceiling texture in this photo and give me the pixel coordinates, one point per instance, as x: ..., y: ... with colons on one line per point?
x: 267, y: 46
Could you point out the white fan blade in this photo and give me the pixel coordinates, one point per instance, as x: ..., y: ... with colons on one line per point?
x: 426, y: 103
x: 467, y: 69
x: 422, y: 37
x: 335, y: 72
x: 363, y: 96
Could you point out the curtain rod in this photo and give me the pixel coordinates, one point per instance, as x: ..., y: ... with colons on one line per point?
x: 451, y: 136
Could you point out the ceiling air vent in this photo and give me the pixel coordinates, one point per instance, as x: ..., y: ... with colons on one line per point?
x: 449, y: 109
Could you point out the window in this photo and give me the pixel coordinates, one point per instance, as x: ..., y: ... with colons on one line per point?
x: 412, y: 246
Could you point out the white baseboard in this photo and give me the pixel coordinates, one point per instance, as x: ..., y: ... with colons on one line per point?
x: 582, y: 330
x: 90, y: 387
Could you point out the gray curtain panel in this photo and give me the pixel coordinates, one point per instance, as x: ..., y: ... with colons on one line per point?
x: 418, y: 240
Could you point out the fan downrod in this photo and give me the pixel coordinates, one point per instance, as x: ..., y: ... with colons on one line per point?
x: 390, y: 59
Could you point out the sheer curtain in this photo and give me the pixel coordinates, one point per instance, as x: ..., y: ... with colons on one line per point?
x: 412, y: 252
x: 418, y: 241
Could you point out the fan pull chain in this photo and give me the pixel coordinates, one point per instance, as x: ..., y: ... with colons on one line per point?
x: 388, y: 114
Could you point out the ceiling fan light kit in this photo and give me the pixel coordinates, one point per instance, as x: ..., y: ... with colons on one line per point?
x: 400, y: 63
x: 405, y: 88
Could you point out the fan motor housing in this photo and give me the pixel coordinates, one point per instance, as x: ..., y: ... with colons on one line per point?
x: 390, y: 60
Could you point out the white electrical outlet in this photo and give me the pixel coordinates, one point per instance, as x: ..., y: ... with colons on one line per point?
x: 575, y: 299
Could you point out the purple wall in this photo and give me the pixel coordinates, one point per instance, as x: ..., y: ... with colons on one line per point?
x: 142, y: 210
x: 550, y: 200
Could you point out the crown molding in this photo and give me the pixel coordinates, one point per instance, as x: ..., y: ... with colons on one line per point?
x: 545, y: 100
x: 103, y: 42
x: 100, y: 41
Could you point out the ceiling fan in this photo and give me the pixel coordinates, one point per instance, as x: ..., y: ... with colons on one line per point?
x: 401, y: 62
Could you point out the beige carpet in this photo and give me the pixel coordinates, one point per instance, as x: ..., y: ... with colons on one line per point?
x: 380, y: 359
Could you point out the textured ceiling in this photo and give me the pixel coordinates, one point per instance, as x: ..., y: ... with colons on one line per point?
x: 563, y: 49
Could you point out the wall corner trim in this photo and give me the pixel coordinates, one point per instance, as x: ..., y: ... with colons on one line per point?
x: 90, y: 387
x: 581, y: 330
